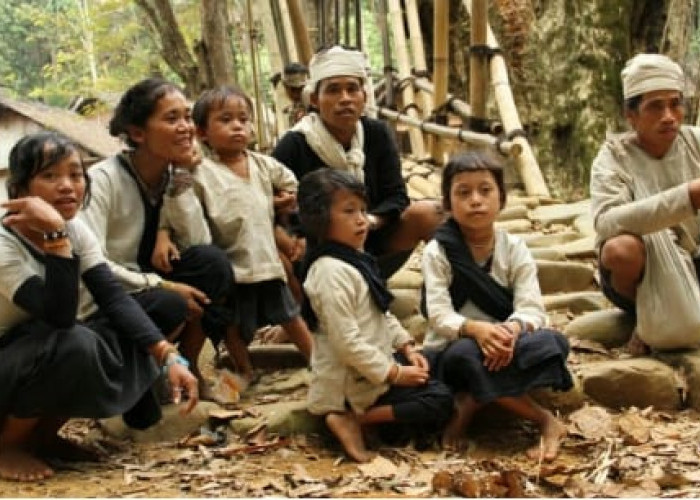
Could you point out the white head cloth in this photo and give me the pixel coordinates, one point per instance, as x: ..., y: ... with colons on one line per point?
x: 337, y: 61
x: 649, y: 72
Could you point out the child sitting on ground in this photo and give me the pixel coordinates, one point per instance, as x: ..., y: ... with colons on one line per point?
x: 485, y: 311
x: 230, y: 203
x: 365, y: 369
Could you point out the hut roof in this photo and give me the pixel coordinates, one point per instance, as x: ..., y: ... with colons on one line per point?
x: 92, y: 135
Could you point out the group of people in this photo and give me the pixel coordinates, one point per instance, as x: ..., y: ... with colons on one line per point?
x: 106, y: 270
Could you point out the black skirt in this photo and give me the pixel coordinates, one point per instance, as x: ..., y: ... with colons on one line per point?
x: 85, y: 371
x: 539, y: 361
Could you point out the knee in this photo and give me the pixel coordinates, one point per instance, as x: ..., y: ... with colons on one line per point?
x: 424, y: 216
x: 211, y: 258
x: 625, y: 253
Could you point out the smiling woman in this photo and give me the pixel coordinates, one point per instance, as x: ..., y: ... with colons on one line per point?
x: 153, y: 118
x: 73, y: 343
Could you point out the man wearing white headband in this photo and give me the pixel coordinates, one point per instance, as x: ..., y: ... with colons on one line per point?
x: 337, y: 135
x: 645, y: 193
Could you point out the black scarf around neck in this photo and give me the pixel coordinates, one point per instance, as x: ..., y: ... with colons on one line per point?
x: 469, y: 280
x: 363, y: 262
x: 151, y: 219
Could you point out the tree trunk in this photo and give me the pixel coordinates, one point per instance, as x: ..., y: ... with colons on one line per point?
x: 173, y: 47
x: 216, y: 44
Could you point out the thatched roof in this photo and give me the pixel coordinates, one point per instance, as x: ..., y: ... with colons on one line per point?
x: 92, y: 135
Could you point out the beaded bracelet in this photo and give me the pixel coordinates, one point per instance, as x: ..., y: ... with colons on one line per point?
x: 58, y: 234
x: 396, y: 377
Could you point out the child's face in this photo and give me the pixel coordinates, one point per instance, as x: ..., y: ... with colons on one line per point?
x: 62, y: 185
x: 348, y: 222
x: 228, y: 128
x: 475, y: 199
x: 169, y: 132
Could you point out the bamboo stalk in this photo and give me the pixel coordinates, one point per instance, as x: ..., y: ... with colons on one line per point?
x: 404, y: 71
x: 275, y: 32
x: 526, y: 163
x: 380, y: 10
x: 301, y: 34
x: 288, y: 31
x: 274, y: 37
x: 478, y: 61
x: 418, y: 51
x: 441, y: 29
x: 510, y: 148
x: 263, y: 144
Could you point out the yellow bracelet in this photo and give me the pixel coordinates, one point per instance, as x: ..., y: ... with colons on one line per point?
x: 167, y: 285
x: 463, y: 329
x: 395, y: 378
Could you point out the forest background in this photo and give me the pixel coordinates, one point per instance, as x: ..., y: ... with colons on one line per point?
x: 564, y: 56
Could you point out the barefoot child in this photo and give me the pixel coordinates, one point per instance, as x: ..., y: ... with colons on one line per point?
x: 364, y: 367
x: 485, y: 310
x: 73, y: 343
x: 231, y: 204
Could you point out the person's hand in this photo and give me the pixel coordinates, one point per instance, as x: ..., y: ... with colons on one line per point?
x: 183, y: 383
x: 284, y: 201
x: 411, y: 376
x: 164, y: 252
x: 33, y: 212
x: 191, y: 160
x: 496, y: 342
x: 417, y: 359
x: 195, y: 298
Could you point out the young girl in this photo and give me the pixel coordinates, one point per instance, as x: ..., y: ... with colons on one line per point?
x: 485, y: 309
x: 364, y: 366
x: 231, y: 204
x: 72, y: 342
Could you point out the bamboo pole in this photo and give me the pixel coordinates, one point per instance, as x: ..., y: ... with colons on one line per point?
x: 380, y: 13
x: 263, y: 144
x: 441, y: 28
x: 526, y: 163
x: 404, y: 71
x: 274, y: 38
x: 418, y: 52
x: 288, y: 31
x: 301, y: 34
x: 478, y: 60
x: 274, y: 32
x: 509, y: 148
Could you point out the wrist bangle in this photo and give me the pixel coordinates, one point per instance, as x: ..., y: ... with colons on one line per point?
x: 166, y: 285
x: 177, y: 358
x: 463, y: 329
x: 396, y: 377
x: 58, y: 234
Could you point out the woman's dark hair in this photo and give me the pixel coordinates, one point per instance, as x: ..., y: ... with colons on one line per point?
x: 471, y: 161
x: 34, y: 153
x: 315, y: 196
x: 137, y: 105
x: 216, y: 98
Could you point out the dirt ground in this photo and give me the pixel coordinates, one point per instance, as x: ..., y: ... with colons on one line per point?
x: 637, y: 452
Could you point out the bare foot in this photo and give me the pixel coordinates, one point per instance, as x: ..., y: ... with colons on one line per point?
x: 348, y: 431
x: 453, y: 438
x: 68, y: 450
x: 636, y: 347
x: 17, y: 465
x: 552, y: 432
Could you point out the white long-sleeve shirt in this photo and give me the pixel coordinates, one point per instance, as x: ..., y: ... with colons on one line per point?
x: 512, y: 266
x: 354, y: 341
x: 233, y: 213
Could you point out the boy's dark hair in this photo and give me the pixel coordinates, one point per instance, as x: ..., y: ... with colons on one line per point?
x: 315, y: 196
x: 471, y: 161
x: 137, y: 105
x: 295, y: 68
x: 216, y: 97
x: 34, y: 153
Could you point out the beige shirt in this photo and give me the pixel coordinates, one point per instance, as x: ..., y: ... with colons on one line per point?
x: 354, y: 342
x: 116, y: 215
x: 17, y: 265
x: 622, y: 171
x: 512, y: 266
x: 234, y: 214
